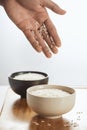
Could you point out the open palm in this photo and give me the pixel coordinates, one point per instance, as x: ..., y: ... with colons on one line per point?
x: 32, y: 18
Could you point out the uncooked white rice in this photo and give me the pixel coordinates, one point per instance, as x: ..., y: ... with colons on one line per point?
x: 50, y: 93
x: 29, y: 76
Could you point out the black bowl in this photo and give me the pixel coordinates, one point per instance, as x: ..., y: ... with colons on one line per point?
x: 20, y: 86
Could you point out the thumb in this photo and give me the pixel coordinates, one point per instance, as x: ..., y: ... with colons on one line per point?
x: 54, y: 7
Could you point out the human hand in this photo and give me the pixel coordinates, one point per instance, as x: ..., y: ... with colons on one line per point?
x: 32, y: 18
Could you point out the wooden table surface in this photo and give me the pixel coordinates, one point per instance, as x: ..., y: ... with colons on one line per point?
x: 16, y: 115
x: 3, y: 91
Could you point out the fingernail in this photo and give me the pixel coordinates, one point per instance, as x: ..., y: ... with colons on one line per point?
x: 63, y: 12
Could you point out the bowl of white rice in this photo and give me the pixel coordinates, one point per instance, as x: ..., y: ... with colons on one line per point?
x: 50, y: 100
x: 20, y: 81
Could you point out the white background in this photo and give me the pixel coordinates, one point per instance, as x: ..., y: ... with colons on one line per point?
x: 68, y: 67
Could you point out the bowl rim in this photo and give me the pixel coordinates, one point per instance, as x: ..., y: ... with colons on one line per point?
x: 42, y: 86
x: 12, y: 75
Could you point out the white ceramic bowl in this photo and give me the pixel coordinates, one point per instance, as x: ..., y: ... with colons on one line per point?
x: 51, y: 106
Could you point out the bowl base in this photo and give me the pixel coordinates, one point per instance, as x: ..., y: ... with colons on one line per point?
x: 53, y: 117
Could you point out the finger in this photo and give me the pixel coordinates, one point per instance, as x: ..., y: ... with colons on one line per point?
x: 34, y: 42
x: 26, y: 27
x: 50, y: 42
x: 54, y: 7
x: 53, y: 32
x: 47, y: 52
x: 45, y: 48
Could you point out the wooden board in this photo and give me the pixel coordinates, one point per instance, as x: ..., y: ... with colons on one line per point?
x: 3, y: 91
x: 17, y: 115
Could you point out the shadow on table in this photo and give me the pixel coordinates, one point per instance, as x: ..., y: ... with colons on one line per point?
x: 21, y: 110
x: 41, y: 123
